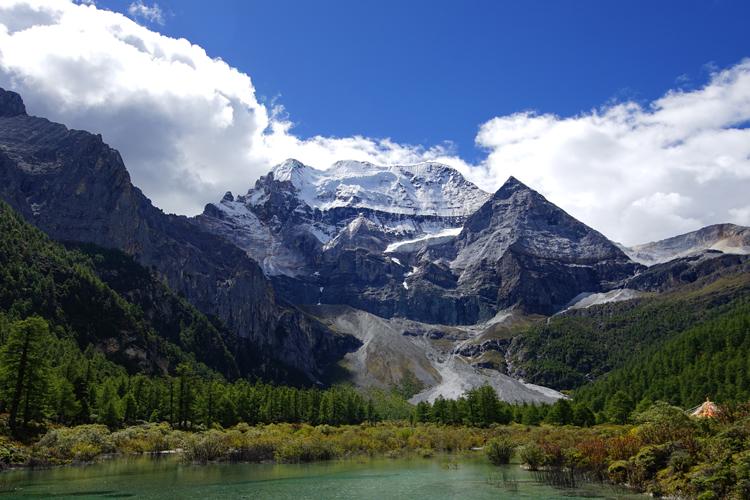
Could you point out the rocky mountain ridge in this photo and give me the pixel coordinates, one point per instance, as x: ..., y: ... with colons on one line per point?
x: 725, y: 238
x: 74, y: 187
x: 392, y: 272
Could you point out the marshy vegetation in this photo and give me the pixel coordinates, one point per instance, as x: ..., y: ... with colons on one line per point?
x: 662, y: 451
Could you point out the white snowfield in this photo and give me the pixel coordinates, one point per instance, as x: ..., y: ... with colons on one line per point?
x: 419, y: 204
x: 422, y: 189
x: 426, y: 240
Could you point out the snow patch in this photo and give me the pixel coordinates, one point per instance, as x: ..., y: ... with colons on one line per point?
x: 587, y: 299
x: 423, y: 241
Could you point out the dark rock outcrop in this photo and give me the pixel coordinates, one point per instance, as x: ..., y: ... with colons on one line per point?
x: 709, y: 264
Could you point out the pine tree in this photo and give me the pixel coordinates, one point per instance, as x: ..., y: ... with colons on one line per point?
x: 186, y: 394
x: 619, y: 407
x: 109, y: 406
x: 561, y: 413
x: 66, y: 406
x: 24, y: 377
x: 129, y: 408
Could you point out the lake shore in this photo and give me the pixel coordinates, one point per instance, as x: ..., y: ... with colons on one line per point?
x: 664, y: 452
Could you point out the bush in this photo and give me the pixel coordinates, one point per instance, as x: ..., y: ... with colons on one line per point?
x: 680, y: 461
x: 662, y: 423
x: 305, y: 450
x: 148, y: 438
x: 618, y: 471
x: 84, y: 442
x: 206, y: 447
x: 499, y: 450
x: 11, y: 454
x: 531, y: 455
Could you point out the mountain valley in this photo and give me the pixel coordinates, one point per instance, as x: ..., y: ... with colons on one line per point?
x: 381, y: 274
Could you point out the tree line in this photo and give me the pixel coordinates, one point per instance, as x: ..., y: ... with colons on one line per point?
x: 711, y: 359
x: 44, y: 378
x: 481, y: 407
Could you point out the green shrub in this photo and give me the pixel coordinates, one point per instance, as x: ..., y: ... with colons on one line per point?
x: 662, y: 423
x: 680, y: 461
x: 11, y: 454
x: 618, y: 471
x: 531, y: 455
x: 84, y: 442
x: 206, y: 447
x: 499, y: 450
x: 305, y: 450
x: 651, y: 458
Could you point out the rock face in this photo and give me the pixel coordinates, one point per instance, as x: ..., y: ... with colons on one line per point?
x: 727, y: 238
x: 392, y: 242
x: 682, y: 270
x: 74, y: 187
x: 296, y: 217
x: 520, y: 249
x: 444, y: 361
x: 323, y: 237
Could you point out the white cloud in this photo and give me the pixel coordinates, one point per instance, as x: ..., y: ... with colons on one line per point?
x: 741, y: 215
x: 152, y: 13
x: 190, y: 126
x: 635, y: 173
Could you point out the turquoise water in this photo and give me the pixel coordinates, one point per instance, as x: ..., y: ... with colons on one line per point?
x: 145, y: 477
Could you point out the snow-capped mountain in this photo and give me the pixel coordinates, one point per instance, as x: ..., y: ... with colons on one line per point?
x: 422, y: 189
x: 519, y: 249
x: 416, y: 241
x: 725, y: 238
x: 388, y: 272
x: 297, y: 216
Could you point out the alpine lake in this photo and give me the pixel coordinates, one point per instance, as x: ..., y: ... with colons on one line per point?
x: 167, y: 477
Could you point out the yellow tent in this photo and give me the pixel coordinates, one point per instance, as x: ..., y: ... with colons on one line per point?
x: 705, y: 410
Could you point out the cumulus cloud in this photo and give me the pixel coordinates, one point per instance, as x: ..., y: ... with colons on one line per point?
x: 190, y: 126
x: 150, y: 13
x: 635, y: 172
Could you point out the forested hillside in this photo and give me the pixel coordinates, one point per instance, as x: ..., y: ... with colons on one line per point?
x: 710, y: 359
x: 150, y: 333
x: 569, y: 350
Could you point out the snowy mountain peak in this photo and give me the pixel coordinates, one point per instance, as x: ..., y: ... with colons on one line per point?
x: 427, y: 188
x: 290, y: 170
x: 727, y: 238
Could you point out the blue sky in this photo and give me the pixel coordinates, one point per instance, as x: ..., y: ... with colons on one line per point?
x: 422, y: 72
x: 632, y: 116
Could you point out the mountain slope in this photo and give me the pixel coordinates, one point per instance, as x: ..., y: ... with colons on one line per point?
x: 520, y: 250
x: 709, y: 359
x: 292, y: 218
x: 432, y: 356
x: 727, y: 238
x: 355, y: 235
x: 568, y: 350
x: 41, y: 277
x: 422, y: 189
x: 74, y: 187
